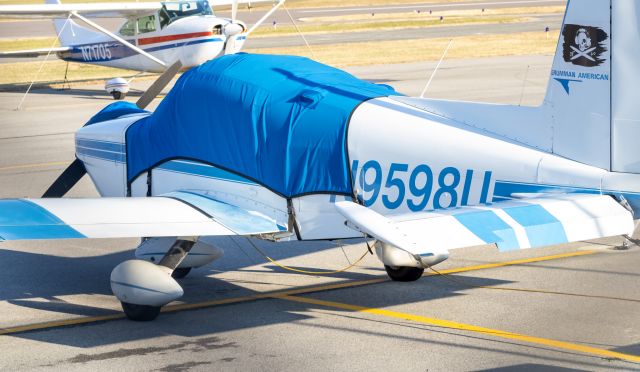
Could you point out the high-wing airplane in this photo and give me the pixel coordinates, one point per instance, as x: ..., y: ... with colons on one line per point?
x: 285, y: 148
x: 154, y: 35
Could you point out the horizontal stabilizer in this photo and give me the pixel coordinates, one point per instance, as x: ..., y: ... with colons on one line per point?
x: 177, y: 214
x: 527, y: 223
x: 32, y: 53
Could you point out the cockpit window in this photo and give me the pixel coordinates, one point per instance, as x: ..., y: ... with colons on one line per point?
x: 174, y: 10
x: 146, y: 24
x: 129, y: 28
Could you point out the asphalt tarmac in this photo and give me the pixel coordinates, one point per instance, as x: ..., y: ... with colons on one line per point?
x: 534, y: 23
x: 564, y: 308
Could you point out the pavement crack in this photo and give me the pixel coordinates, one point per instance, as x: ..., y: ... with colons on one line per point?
x: 197, y: 345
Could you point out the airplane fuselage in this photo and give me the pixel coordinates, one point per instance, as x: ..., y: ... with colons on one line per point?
x: 403, y: 161
x: 192, y: 40
x: 462, y: 165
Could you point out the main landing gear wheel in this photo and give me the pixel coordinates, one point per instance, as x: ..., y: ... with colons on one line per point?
x: 404, y: 273
x: 180, y: 272
x: 140, y: 313
x: 118, y: 95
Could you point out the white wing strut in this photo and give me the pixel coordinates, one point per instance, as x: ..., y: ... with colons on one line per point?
x: 264, y: 18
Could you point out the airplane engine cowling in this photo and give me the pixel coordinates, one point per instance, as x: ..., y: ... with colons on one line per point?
x: 393, y: 256
x: 143, y: 283
x: 202, y: 253
x: 233, y: 29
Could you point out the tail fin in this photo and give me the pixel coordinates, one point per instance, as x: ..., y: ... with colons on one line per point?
x: 68, y: 31
x: 596, y: 116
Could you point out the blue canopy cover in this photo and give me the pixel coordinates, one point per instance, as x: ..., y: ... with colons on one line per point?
x: 278, y: 120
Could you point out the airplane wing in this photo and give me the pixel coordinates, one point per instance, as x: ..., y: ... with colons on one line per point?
x: 517, y: 224
x: 98, y: 10
x: 32, y: 53
x: 91, y: 10
x: 181, y: 213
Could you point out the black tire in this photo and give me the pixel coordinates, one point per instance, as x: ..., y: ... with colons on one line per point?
x: 118, y: 95
x: 140, y: 313
x: 404, y: 273
x: 180, y: 272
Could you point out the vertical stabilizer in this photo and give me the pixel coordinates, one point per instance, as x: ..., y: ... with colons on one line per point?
x: 579, y: 92
x: 71, y: 33
x: 625, y: 106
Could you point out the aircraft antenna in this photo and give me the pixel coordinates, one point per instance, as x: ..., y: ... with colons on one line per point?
x: 299, y: 31
x: 524, y: 84
x: 426, y: 87
x: 42, y: 64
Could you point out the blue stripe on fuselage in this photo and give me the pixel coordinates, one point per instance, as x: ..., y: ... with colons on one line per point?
x: 101, y: 154
x: 119, y: 51
x: 504, y: 190
x: 101, y: 145
x: 203, y: 170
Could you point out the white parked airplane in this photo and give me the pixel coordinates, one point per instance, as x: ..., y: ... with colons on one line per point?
x: 282, y: 148
x: 154, y: 36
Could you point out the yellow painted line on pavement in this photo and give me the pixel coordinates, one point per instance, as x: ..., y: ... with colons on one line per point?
x: 274, y: 294
x: 515, y: 262
x: 36, y: 165
x: 60, y: 323
x: 562, y: 345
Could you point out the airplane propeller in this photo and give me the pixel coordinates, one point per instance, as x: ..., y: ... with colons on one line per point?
x: 232, y: 29
x: 161, y: 82
x: 74, y: 172
x: 234, y: 11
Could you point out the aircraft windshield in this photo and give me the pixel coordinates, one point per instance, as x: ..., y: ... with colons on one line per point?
x: 174, y: 10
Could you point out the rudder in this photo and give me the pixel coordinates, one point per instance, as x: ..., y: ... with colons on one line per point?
x: 579, y: 92
x: 591, y: 94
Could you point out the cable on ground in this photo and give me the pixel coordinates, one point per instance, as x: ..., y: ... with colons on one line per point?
x: 307, y: 271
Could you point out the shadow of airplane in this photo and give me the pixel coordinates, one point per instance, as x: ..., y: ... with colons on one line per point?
x: 30, y: 277
x: 208, y: 329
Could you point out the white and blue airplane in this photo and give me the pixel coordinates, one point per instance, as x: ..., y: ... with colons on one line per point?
x: 284, y: 148
x: 153, y: 36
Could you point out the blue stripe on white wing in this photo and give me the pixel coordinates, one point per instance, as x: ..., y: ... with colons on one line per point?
x: 486, y: 225
x: 236, y: 219
x: 543, y: 221
x: 541, y: 226
x: 22, y: 219
x: 181, y: 214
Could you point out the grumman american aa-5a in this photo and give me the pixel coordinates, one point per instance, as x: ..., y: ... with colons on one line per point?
x: 285, y: 148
